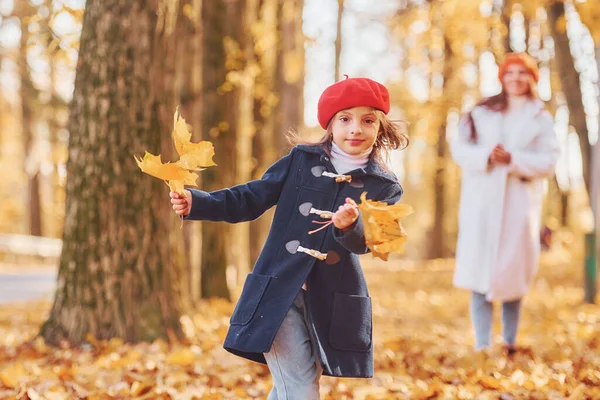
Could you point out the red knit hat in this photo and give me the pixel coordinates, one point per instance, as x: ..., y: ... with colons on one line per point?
x: 352, y: 92
x: 523, y: 59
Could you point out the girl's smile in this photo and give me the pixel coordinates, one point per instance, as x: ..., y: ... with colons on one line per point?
x: 355, y: 142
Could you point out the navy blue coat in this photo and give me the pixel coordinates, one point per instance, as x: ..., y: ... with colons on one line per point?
x: 338, y: 302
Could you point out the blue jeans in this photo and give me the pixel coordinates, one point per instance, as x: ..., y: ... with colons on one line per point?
x: 292, y: 360
x: 482, y: 317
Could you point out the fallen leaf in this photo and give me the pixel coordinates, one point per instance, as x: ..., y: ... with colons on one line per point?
x: 183, y: 357
x: 12, y: 374
x: 423, y: 349
x: 489, y: 382
x: 33, y: 395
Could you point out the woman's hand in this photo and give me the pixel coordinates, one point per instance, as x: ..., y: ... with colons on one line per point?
x: 346, y: 215
x: 499, y: 156
x: 182, y: 204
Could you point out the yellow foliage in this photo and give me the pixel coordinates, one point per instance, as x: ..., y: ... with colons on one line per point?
x: 293, y: 70
x: 383, y: 231
x: 589, y: 12
x: 561, y: 24
x: 193, y: 156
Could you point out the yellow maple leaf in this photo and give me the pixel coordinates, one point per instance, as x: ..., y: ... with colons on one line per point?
x: 384, y: 233
x: 193, y: 157
x: 174, y: 174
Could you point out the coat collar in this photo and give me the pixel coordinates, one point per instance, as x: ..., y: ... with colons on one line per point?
x: 372, y: 168
x: 491, y: 123
x: 534, y: 108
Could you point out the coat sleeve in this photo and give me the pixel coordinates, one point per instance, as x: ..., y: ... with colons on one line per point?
x: 467, y: 155
x: 354, y: 240
x: 242, y: 202
x: 538, y: 161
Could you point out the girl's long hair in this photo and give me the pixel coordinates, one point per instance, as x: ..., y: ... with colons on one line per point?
x: 391, y: 136
x: 498, y: 103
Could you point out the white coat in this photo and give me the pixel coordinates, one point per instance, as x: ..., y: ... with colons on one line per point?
x: 500, y: 206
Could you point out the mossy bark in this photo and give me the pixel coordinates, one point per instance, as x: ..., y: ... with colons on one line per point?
x: 121, y: 271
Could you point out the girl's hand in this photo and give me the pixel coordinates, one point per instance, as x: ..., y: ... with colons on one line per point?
x: 182, y: 204
x: 346, y: 215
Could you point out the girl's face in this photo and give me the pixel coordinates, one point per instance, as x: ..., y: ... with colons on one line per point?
x: 516, y: 80
x: 355, y: 129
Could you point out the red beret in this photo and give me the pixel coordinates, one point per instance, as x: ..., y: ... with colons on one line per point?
x: 352, y: 92
x: 523, y: 59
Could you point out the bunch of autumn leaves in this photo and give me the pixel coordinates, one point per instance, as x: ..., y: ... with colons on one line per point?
x: 193, y: 158
x: 383, y: 231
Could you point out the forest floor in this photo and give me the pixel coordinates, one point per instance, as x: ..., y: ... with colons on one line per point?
x: 422, y: 335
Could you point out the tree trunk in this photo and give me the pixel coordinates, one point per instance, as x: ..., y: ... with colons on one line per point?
x: 564, y: 193
x: 564, y: 207
x: 595, y: 173
x: 54, y: 199
x: 291, y: 69
x: 506, y: 15
x: 190, y: 77
x: 267, y: 105
x: 29, y: 97
x: 569, y: 78
x: 338, y: 39
x: 282, y: 108
x: 118, y: 276
x: 499, y: 37
x: 437, y: 245
x: 245, y: 130
x: 221, y: 18
x: 526, y: 29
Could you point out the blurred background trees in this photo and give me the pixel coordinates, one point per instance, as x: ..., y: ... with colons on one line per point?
x: 244, y: 73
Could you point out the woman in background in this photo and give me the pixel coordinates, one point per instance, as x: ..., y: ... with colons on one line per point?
x: 506, y: 147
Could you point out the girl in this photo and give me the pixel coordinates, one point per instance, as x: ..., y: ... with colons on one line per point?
x: 506, y: 146
x: 305, y: 309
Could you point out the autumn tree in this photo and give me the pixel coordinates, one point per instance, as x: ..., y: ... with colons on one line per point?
x: 338, y: 39
x: 29, y: 97
x: 120, y: 271
x: 266, y: 107
x: 571, y: 85
x: 244, y: 79
x: 279, y: 100
x: 189, y: 73
x: 221, y: 21
x: 290, y: 70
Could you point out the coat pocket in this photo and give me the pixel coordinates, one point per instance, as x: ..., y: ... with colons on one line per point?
x: 252, y: 293
x: 351, y: 323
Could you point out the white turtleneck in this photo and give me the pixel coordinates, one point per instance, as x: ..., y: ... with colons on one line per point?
x: 344, y: 162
